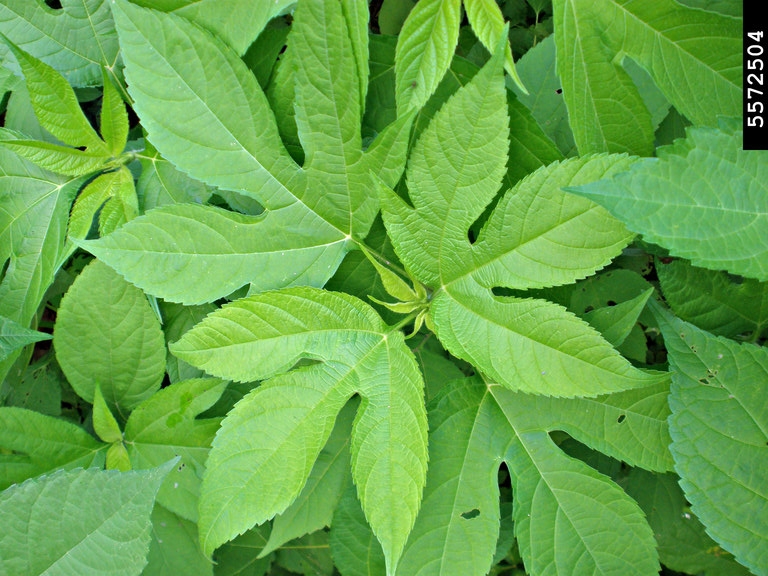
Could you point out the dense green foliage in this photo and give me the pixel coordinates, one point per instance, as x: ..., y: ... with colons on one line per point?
x: 409, y: 288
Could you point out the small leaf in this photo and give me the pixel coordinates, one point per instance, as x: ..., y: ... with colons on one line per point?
x: 59, y: 159
x: 393, y: 284
x: 14, y: 336
x: 48, y: 530
x: 104, y: 423
x: 117, y: 458
x: 35, y: 443
x: 56, y: 105
x: 111, y: 193
x: 488, y: 25
x: 165, y: 426
x: 107, y: 334
x: 718, y: 427
x: 425, y: 47
x: 114, y: 117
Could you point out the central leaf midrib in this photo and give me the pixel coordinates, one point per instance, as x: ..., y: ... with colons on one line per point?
x: 504, y: 327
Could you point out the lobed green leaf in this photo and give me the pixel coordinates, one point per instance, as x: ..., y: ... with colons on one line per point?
x: 719, y: 429
x: 279, y: 428
x: 706, y: 179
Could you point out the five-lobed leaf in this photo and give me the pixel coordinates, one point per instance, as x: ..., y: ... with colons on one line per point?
x: 14, y: 336
x: 209, y: 117
x: 279, y: 428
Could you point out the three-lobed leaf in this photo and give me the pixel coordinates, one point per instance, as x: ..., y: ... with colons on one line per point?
x: 278, y: 430
x: 536, y: 236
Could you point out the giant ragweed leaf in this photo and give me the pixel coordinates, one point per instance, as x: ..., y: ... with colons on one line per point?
x: 428, y: 40
x: 669, y: 41
x: 34, y: 207
x: 568, y: 518
x: 714, y: 300
x: 536, y: 236
x: 704, y: 198
x: 77, y: 40
x: 278, y: 430
x: 32, y: 444
x: 166, y: 425
x: 719, y: 429
x: 48, y: 530
x: 205, y: 112
x: 107, y: 334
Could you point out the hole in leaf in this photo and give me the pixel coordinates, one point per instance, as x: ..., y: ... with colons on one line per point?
x: 621, y: 418
x: 588, y: 309
x: 611, y: 303
x: 53, y: 4
x: 559, y: 91
x: 474, y: 513
x: 704, y: 381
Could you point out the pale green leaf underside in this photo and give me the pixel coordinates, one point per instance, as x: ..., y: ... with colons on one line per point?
x: 106, y: 333
x: 719, y: 428
x: 40, y: 444
x: 77, y: 40
x: 425, y: 47
x: 55, y: 104
x: 49, y: 531
x: 704, y: 198
x: 279, y: 428
x: 14, y: 336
